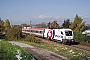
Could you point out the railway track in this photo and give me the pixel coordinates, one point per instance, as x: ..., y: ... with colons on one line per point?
x: 77, y: 46
x: 81, y: 47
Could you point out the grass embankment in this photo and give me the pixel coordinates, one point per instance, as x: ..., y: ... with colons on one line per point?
x: 10, y: 51
x: 70, y: 53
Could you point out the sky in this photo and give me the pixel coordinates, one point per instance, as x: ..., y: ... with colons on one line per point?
x: 38, y: 11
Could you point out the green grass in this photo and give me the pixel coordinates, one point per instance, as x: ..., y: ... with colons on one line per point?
x: 70, y: 53
x: 10, y: 51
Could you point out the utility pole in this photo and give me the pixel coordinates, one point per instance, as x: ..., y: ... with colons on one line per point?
x: 11, y: 19
x: 30, y: 24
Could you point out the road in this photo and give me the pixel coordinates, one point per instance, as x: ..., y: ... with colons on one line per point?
x: 40, y: 53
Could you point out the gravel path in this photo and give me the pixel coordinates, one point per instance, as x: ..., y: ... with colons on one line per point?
x: 40, y: 53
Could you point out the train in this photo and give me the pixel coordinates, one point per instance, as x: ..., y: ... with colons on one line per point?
x: 64, y: 35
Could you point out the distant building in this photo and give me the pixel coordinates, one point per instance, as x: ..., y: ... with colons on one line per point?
x: 87, y: 32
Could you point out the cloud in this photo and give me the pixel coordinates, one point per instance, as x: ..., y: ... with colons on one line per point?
x: 43, y: 17
x: 48, y: 17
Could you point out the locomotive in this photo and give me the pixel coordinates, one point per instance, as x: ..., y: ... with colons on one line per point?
x: 62, y: 35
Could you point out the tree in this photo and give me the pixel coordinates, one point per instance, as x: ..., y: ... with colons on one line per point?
x: 6, y: 24
x: 49, y: 25
x: 77, y: 25
x: 66, y: 23
x: 42, y: 25
x: 1, y: 22
x: 80, y: 27
x: 1, y: 26
x: 53, y: 25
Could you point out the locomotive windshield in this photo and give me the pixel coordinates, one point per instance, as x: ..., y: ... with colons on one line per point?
x: 68, y: 33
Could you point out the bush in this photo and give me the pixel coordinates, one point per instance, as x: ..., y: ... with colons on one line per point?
x: 31, y: 38
x: 79, y: 37
x: 14, y: 33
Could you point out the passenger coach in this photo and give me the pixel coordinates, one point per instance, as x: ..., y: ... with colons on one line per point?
x: 35, y: 31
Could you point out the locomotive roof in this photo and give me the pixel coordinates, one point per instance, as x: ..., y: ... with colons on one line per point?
x: 64, y: 29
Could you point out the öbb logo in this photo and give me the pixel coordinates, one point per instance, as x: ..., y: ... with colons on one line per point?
x: 50, y: 34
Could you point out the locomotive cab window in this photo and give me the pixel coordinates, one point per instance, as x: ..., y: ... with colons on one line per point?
x: 68, y: 33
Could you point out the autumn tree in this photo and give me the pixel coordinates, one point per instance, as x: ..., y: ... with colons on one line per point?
x: 1, y: 22
x: 77, y: 25
x: 1, y: 26
x: 53, y: 25
x: 66, y: 23
x: 6, y: 24
x: 49, y: 25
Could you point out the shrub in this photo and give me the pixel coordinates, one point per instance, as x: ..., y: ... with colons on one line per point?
x: 13, y: 33
x: 79, y: 37
x: 31, y: 38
